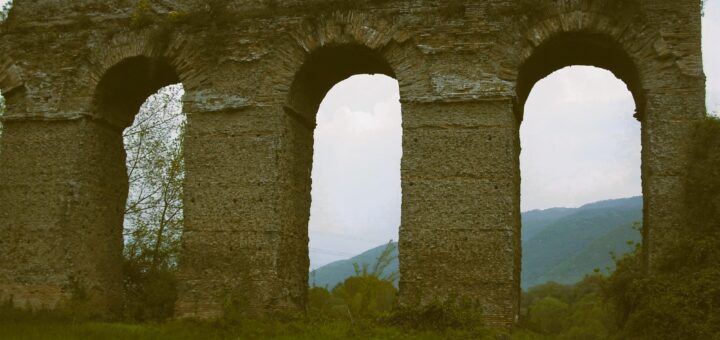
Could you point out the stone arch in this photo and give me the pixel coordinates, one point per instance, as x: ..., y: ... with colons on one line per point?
x: 156, y: 50
x: 627, y: 47
x: 338, y: 56
x: 275, y: 219
x: 388, y: 47
x: 663, y: 78
x: 581, y: 49
x: 117, y: 98
x: 459, y: 134
x: 328, y: 66
x: 126, y: 86
x: 573, y: 35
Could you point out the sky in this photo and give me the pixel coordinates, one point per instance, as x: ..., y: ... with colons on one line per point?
x: 356, y: 192
x: 577, y: 147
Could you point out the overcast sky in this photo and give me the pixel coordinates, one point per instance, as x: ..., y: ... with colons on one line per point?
x: 580, y: 144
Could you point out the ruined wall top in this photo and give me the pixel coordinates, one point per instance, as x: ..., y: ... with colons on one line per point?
x: 465, y: 49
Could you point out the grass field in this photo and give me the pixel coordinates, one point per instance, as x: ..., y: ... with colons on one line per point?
x: 221, y: 330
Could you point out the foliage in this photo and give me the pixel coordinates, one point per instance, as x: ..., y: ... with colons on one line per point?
x: 142, y: 15
x: 577, y: 311
x: 366, y: 296
x: 680, y: 298
x: 29, y: 328
x: 676, y: 301
x: 370, y: 294
x: 566, y: 244
x: 149, y: 295
x: 383, y: 261
x: 441, y: 316
x: 548, y: 315
x: 566, y: 248
x: 370, y: 297
x: 322, y: 303
x: 5, y: 10
x: 337, y: 272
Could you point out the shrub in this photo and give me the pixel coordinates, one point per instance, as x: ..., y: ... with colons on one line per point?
x: 679, y: 299
x: 548, y: 315
x: 366, y: 296
x: 150, y: 293
x: 441, y: 316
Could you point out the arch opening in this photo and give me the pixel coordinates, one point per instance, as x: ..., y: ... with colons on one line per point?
x: 581, y: 185
x: 140, y: 98
x: 154, y: 211
x: 343, y: 111
x: 356, y: 194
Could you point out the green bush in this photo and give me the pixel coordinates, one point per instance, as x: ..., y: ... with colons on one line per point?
x: 577, y: 311
x: 441, y: 316
x: 548, y: 315
x: 366, y: 296
x: 679, y: 299
x: 150, y: 294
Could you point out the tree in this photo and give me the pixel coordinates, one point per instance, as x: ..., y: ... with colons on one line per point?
x: 370, y: 293
x: 548, y: 315
x: 679, y: 300
x: 382, y: 262
x: 5, y: 10
x: 154, y: 210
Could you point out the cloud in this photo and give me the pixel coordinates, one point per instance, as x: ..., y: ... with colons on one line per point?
x: 711, y: 53
x: 580, y: 141
x: 356, y: 169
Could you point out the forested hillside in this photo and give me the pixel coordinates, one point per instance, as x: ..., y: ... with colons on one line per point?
x: 571, y: 246
x: 559, y: 244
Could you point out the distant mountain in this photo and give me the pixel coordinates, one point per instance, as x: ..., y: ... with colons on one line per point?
x: 535, y: 221
x: 567, y: 248
x: 331, y: 274
x: 559, y: 244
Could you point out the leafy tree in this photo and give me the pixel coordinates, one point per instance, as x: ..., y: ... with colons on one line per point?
x: 5, y: 10
x: 383, y: 261
x: 367, y: 296
x: 679, y: 300
x: 320, y: 301
x: 154, y: 210
x: 577, y: 311
x: 370, y: 293
x: 548, y: 315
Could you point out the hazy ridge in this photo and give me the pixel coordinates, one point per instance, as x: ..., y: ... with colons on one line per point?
x: 565, y: 243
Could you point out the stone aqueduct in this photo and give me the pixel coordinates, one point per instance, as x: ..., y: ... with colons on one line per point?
x: 74, y: 73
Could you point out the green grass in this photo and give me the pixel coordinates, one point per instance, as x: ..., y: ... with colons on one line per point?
x: 28, y: 329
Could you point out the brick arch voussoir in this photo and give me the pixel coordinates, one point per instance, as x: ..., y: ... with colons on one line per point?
x: 149, y: 43
x: 391, y: 41
x: 635, y: 39
x: 339, y: 28
x: 12, y: 86
x: 632, y: 37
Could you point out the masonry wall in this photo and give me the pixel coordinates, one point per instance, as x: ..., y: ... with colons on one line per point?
x: 249, y: 136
